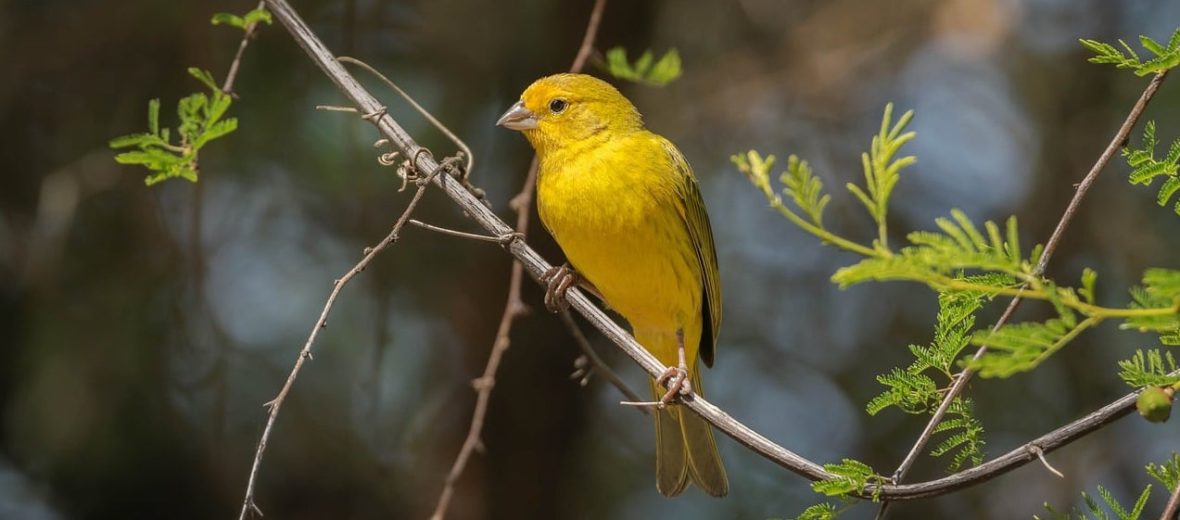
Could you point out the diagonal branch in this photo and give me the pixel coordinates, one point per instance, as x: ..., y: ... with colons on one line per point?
x: 529, y: 260
x: 1083, y: 187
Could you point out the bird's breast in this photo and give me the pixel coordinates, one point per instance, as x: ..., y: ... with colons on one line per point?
x: 620, y: 226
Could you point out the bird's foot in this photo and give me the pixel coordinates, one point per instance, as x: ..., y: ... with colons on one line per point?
x: 558, y: 281
x: 675, y: 379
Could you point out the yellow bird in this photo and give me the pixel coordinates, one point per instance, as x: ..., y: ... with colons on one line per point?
x: 624, y: 206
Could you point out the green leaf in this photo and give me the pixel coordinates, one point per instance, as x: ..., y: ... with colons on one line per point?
x: 1089, y: 277
x: 933, y: 256
x: 1021, y: 347
x: 852, y: 476
x: 228, y: 19
x: 1160, y: 289
x: 966, y: 442
x: 1149, y: 368
x: 258, y: 15
x: 805, y: 189
x: 824, y: 511
x: 660, y: 73
x: 1167, y: 473
x: 204, y: 77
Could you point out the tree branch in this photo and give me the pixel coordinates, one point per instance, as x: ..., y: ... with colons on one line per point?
x: 1071, y: 209
x: 529, y: 260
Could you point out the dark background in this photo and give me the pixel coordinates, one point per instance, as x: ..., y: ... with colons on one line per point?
x: 141, y: 329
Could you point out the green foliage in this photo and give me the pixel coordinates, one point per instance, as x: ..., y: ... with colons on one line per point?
x: 1167, y: 473
x: 914, y: 391
x: 881, y: 170
x: 201, y: 121
x: 1152, y: 368
x: 1146, y: 168
x: 852, y: 477
x: 824, y: 511
x: 1022, y: 346
x: 804, y: 188
x: 965, y: 439
x: 932, y: 256
x: 1166, y: 57
x: 646, y: 69
x: 254, y: 16
x: 1160, y: 289
x: 1097, y: 512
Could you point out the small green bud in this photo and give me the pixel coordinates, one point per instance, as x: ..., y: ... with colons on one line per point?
x: 1155, y: 403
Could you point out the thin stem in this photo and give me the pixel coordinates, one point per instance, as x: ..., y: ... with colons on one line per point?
x: 1050, y: 247
x: 232, y: 75
x: 248, y: 505
x: 825, y: 235
x: 1173, y: 505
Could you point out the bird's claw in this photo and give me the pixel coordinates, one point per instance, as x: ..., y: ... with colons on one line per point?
x: 675, y: 379
x: 558, y: 281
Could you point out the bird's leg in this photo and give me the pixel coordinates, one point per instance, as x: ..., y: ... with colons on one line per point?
x: 558, y: 280
x: 675, y: 379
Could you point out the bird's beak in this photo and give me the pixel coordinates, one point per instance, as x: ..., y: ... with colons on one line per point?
x: 518, y: 118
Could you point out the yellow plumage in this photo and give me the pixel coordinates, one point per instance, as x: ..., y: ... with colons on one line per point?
x: 625, y: 207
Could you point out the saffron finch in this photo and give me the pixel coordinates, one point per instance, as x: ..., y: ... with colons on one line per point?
x: 624, y: 206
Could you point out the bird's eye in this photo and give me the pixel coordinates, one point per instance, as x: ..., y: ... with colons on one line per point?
x: 557, y: 105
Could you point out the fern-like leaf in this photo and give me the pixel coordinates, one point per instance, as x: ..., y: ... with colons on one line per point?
x: 935, y: 255
x: 1160, y: 289
x: 966, y: 435
x: 1166, y: 57
x: 646, y: 69
x: 851, y: 476
x: 1146, y: 168
x: 1150, y: 368
x: 805, y: 189
x: 1167, y: 473
x: 881, y: 168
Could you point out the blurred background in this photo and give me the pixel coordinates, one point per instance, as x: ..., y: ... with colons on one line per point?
x: 142, y: 329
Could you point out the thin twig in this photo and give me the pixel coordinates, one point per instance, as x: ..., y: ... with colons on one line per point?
x: 460, y: 234
x: 1173, y: 505
x: 536, y: 266
x: 248, y: 505
x: 596, y: 363
x: 1071, y: 209
x: 521, y: 203
x: 425, y: 113
x: 232, y: 75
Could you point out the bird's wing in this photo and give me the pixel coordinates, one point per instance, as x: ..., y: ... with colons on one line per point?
x: 692, y: 210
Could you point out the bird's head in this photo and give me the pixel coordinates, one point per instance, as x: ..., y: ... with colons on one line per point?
x: 562, y: 109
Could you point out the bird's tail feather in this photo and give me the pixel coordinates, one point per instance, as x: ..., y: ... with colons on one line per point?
x: 686, y: 450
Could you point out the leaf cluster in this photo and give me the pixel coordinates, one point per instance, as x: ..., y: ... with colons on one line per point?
x: 915, y: 391
x: 1165, y: 56
x: 1151, y: 368
x: 646, y: 69
x: 243, y: 22
x: 852, y: 476
x: 201, y: 119
x: 933, y: 256
x: 1145, y: 168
